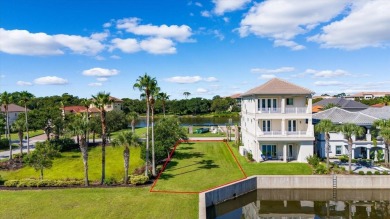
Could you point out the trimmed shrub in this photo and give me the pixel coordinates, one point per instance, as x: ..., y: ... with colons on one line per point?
x: 64, y: 144
x: 250, y: 156
x: 11, y: 183
x: 369, y: 173
x: 321, y: 169
x: 377, y: 173
x: 138, y: 180
x: 110, y: 181
x: 343, y: 158
x: 361, y: 172
x: 1, y: 181
x: 385, y: 173
x: 313, y: 160
x: 4, y: 144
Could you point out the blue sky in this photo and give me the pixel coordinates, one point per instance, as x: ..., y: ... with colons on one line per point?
x: 208, y: 48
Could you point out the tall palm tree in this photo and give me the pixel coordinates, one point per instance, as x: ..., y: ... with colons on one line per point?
x: 18, y: 126
x: 80, y: 127
x: 384, y: 131
x: 154, y: 93
x: 126, y: 139
x: 143, y: 84
x: 87, y: 103
x: 6, y: 100
x: 163, y: 97
x: 325, y: 126
x: 24, y: 98
x: 349, y: 130
x: 100, y: 101
x: 186, y: 94
x: 132, y: 116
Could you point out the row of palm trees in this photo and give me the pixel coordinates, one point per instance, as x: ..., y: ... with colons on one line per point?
x: 5, y: 100
x: 349, y: 130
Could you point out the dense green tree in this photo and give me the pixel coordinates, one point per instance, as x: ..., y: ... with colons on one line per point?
x: 163, y: 97
x: 126, y: 139
x: 144, y: 84
x: 384, y: 132
x: 42, y: 157
x: 186, y: 94
x: 101, y: 100
x: 349, y: 130
x: 220, y: 105
x: 325, y: 126
x: 116, y: 120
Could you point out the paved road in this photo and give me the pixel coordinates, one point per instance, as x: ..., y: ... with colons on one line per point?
x: 33, y: 140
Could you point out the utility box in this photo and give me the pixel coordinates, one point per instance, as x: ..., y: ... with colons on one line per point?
x: 242, y: 150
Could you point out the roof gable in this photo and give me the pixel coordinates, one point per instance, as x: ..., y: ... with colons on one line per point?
x: 13, y: 108
x: 338, y: 116
x: 342, y: 102
x: 278, y: 86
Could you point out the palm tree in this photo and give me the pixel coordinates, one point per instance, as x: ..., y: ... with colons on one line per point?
x: 6, y: 100
x: 186, y: 94
x: 24, y: 98
x: 100, y: 101
x: 384, y: 131
x: 349, y: 130
x: 126, y: 139
x: 325, y: 126
x: 80, y: 127
x: 18, y: 126
x: 143, y: 84
x: 154, y: 93
x: 132, y: 116
x: 163, y: 97
x: 87, y: 103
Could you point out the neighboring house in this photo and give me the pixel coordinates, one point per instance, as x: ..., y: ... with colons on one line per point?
x: 368, y: 95
x: 237, y: 97
x: 13, y: 112
x: 276, y: 122
x: 343, y: 103
x: 362, y: 145
x: 79, y: 109
x: 115, y: 105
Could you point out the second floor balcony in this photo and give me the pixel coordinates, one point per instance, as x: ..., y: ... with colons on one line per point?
x: 287, y: 110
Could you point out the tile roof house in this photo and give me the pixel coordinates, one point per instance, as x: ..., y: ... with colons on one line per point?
x: 369, y: 95
x: 343, y: 103
x: 115, y: 105
x: 276, y: 122
x: 13, y: 112
x: 363, y: 145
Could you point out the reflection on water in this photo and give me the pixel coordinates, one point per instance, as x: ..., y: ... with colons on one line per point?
x: 197, y: 121
x: 305, y: 204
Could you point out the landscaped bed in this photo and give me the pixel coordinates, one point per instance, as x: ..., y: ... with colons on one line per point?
x: 198, y: 166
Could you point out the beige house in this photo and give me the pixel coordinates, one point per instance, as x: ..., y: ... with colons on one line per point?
x: 115, y: 105
x: 13, y: 112
x: 276, y: 122
x: 368, y: 95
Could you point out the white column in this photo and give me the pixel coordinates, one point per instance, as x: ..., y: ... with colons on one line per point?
x: 376, y: 155
x: 283, y: 126
x: 283, y: 106
x: 368, y: 135
x: 309, y: 105
x: 353, y: 153
x: 285, y: 153
x: 368, y: 153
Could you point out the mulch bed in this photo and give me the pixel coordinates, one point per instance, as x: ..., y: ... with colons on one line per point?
x: 13, y: 164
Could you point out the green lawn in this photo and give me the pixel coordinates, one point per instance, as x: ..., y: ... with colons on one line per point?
x: 140, y: 132
x: 70, y: 165
x: 199, y: 166
x: 97, y: 203
x: 14, y: 136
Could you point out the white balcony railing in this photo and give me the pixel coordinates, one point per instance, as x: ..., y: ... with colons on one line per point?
x: 296, y: 110
x: 283, y: 133
x: 269, y: 110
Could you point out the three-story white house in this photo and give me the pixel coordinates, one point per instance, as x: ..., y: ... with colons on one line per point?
x: 276, y: 122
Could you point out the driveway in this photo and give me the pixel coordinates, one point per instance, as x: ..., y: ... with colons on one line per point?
x: 33, y: 140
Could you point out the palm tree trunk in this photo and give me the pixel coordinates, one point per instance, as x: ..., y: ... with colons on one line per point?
x: 163, y: 105
x: 387, y: 154
x: 93, y: 136
x: 84, y: 152
x: 327, y: 147
x: 28, y: 136
x: 20, y: 135
x: 103, y: 118
x: 133, y: 126
x: 350, y: 155
x: 41, y: 173
x: 126, y: 158
x: 153, y: 155
x: 147, y: 136
x: 8, y: 132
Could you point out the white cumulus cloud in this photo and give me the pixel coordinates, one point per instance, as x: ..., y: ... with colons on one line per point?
x: 158, y: 46
x: 328, y: 83
x: 367, y: 25
x: 222, y: 6
x: 282, y: 20
x: 125, y: 45
x: 273, y: 71
x: 184, y: 79
x: 102, y: 79
x: 22, y: 42
x: 267, y: 76
x: 95, y: 84
x: 327, y: 73
x: 201, y: 91
x: 23, y: 83
x: 131, y: 25
x: 50, y: 80
x: 100, y: 72
x: 210, y: 79
x: 205, y: 14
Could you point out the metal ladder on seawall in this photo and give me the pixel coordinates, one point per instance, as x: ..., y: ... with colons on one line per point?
x: 334, y: 187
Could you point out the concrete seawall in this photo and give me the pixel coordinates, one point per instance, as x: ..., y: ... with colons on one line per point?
x: 223, y: 193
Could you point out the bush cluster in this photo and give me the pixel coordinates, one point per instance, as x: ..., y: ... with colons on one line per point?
x: 138, y: 179
x: 64, y: 144
x: 1, y: 181
x: 343, y: 158
x: 110, y: 181
x: 249, y: 156
x: 318, y: 168
x: 4, y: 144
x: 43, y: 183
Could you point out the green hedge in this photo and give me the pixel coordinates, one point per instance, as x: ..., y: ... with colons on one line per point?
x: 138, y: 179
x: 42, y: 183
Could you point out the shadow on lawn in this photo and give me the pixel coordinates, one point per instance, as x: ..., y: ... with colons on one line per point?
x: 204, y: 164
x: 184, y: 155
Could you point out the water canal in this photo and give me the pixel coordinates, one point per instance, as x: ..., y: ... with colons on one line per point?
x: 305, y: 204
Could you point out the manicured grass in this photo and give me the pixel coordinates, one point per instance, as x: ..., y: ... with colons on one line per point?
x: 253, y: 168
x: 70, y: 165
x: 32, y: 133
x: 199, y: 166
x: 97, y: 203
x: 140, y: 132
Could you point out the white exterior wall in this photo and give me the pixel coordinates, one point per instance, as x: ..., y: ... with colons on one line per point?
x: 251, y: 126
x: 12, y: 116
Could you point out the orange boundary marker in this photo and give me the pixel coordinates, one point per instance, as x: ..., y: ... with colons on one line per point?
x: 193, y: 192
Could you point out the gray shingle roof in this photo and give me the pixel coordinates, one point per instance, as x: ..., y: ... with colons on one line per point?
x: 278, y: 86
x: 337, y: 116
x: 379, y: 112
x: 343, y: 103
